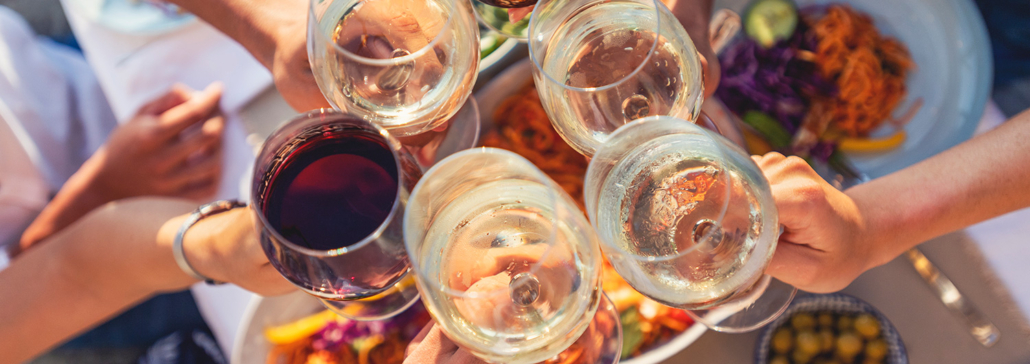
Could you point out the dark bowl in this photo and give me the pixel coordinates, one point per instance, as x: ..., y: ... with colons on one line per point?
x: 837, y: 303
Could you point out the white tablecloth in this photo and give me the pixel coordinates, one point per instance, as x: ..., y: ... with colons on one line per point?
x: 133, y: 69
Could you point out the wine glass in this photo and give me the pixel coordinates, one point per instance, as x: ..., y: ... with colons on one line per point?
x: 688, y: 219
x: 599, y: 64
x: 506, y: 263
x: 328, y: 195
x: 408, y: 65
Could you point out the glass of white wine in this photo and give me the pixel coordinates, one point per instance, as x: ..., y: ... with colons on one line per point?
x: 688, y: 219
x: 600, y: 64
x: 407, y: 65
x: 506, y: 263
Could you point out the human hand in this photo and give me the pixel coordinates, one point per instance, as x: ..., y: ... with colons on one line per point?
x: 487, y: 279
x: 432, y: 346
x: 822, y: 248
x: 289, y: 64
x: 172, y: 147
x: 226, y: 247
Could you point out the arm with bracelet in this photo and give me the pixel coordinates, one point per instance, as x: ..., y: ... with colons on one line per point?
x: 117, y: 256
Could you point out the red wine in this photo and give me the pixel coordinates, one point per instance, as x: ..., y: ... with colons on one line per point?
x: 333, y: 190
x: 509, y: 3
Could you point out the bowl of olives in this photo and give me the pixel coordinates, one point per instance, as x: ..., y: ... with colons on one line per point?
x: 833, y: 328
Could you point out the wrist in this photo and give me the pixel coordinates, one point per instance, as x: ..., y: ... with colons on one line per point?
x: 262, y: 28
x: 877, y: 232
x: 206, y: 234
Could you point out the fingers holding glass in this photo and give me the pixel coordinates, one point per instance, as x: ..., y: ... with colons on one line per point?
x: 601, y: 64
x: 688, y: 219
x: 506, y: 262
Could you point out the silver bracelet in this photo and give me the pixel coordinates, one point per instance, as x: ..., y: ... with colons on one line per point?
x: 203, y: 211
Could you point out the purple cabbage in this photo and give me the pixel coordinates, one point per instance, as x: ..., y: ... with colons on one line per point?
x: 337, y: 333
x: 773, y: 81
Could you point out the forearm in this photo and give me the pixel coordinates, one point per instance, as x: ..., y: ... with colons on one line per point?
x: 977, y: 180
x: 252, y: 23
x: 77, y: 197
x: 87, y: 273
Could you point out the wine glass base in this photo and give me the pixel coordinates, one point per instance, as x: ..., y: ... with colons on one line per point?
x: 382, y: 306
x: 459, y: 133
x: 601, y: 343
x: 759, y: 305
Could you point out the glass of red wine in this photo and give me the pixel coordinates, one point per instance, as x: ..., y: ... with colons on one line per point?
x: 328, y: 193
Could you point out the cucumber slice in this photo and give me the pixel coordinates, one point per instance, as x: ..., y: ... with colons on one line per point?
x: 769, y: 21
x: 774, y: 133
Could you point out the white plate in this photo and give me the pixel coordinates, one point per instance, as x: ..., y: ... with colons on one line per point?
x: 133, y: 16
x: 948, y: 42
x: 262, y: 312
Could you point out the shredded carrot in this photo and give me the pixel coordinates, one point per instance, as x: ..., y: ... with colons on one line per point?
x: 868, y: 68
x: 522, y: 126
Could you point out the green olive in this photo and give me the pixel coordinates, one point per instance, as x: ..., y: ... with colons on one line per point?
x: 779, y: 359
x: 826, y: 340
x: 802, y: 321
x: 782, y: 341
x: 826, y: 320
x: 867, y: 326
x: 809, y: 342
x: 876, y: 350
x: 801, y: 357
x: 849, y: 344
x: 845, y: 323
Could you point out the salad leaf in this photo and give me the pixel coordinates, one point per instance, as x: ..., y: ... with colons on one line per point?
x: 632, y: 336
x: 771, y: 130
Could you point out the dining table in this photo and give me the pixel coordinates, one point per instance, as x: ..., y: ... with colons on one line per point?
x: 986, y: 262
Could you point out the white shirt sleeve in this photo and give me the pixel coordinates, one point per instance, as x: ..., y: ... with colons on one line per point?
x: 53, y: 116
x: 50, y: 100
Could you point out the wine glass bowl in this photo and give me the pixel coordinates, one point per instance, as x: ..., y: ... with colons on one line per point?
x: 688, y: 219
x: 506, y: 263
x: 599, y: 64
x: 328, y: 195
x: 408, y: 65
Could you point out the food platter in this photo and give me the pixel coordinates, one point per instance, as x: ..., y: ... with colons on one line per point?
x: 948, y: 43
x: 251, y: 346
x: 262, y: 312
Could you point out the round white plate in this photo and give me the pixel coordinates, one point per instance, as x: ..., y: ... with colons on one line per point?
x: 262, y: 312
x: 948, y: 42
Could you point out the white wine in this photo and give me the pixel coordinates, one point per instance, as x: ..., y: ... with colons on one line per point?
x: 609, y: 66
x: 691, y: 224
x: 514, y: 282
x: 407, y: 66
